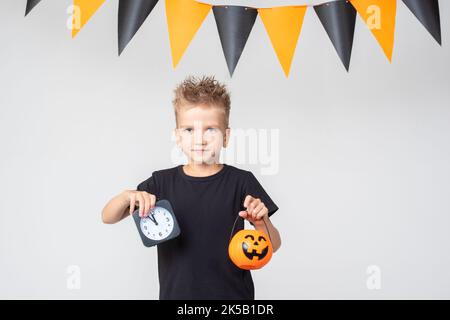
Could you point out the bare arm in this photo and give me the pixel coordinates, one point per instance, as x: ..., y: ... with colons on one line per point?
x: 274, y: 234
x: 258, y: 215
x: 124, y: 204
x: 116, y: 209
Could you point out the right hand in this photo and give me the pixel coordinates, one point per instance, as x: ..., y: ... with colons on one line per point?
x: 145, y: 201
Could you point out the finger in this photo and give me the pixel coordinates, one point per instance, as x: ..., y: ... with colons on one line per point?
x: 152, y: 201
x: 264, y: 211
x: 141, y: 201
x: 257, y: 209
x: 247, y: 200
x: 146, y: 197
x: 243, y: 214
x: 246, y: 216
x: 254, y: 211
x: 250, y: 206
x: 253, y: 205
x: 132, y: 203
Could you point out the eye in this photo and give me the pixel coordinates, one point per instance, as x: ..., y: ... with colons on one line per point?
x: 211, y: 129
x: 187, y: 130
x: 249, y: 236
x: 261, y: 238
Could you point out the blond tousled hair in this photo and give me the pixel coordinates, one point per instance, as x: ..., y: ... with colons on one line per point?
x: 205, y: 91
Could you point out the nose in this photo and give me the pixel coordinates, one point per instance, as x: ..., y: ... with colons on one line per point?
x: 255, y: 243
x: 199, y: 137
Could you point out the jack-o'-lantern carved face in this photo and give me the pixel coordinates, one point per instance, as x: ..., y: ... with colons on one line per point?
x: 250, y: 249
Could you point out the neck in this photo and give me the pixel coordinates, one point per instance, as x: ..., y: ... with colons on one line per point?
x: 202, y: 169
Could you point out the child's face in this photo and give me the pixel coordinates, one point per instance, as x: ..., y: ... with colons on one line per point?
x: 201, y: 133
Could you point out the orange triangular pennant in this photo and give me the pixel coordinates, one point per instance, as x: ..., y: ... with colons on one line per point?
x: 379, y: 16
x: 283, y: 25
x: 184, y: 18
x: 83, y: 11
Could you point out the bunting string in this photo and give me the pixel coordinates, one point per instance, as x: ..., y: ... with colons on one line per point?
x: 283, y: 24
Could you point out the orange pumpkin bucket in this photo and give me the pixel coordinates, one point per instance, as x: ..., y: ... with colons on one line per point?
x: 250, y: 249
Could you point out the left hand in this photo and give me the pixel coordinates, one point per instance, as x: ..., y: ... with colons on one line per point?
x: 256, y: 210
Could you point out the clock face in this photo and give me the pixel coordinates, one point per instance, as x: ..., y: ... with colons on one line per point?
x: 158, y: 225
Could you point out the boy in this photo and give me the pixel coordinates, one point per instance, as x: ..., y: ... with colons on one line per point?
x: 206, y: 197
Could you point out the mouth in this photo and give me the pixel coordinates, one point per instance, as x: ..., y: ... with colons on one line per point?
x: 251, y: 255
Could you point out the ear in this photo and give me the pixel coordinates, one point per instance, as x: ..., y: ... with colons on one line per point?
x: 226, y: 138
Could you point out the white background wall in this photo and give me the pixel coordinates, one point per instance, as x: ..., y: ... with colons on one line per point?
x: 363, y: 156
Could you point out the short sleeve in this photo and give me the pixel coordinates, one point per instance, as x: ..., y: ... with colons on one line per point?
x: 255, y: 189
x: 147, y: 186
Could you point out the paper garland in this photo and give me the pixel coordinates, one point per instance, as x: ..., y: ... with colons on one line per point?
x: 30, y: 5
x: 234, y: 24
x: 379, y: 16
x: 87, y: 8
x: 427, y: 12
x: 283, y: 24
x: 338, y: 18
x: 184, y: 18
x: 132, y: 14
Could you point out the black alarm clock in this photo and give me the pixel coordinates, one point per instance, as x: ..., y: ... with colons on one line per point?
x: 159, y: 226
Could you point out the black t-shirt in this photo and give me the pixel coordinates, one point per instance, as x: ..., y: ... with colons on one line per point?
x: 196, y: 265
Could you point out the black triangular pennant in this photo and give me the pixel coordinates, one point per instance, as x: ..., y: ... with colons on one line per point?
x: 30, y: 5
x: 234, y: 24
x: 339, y: 18
x: 132, y: 14
x: 427, y: 12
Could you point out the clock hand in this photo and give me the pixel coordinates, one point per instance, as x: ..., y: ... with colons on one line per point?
x: 152, y: 217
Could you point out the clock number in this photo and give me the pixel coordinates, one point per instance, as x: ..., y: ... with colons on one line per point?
x: 157, y: 225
